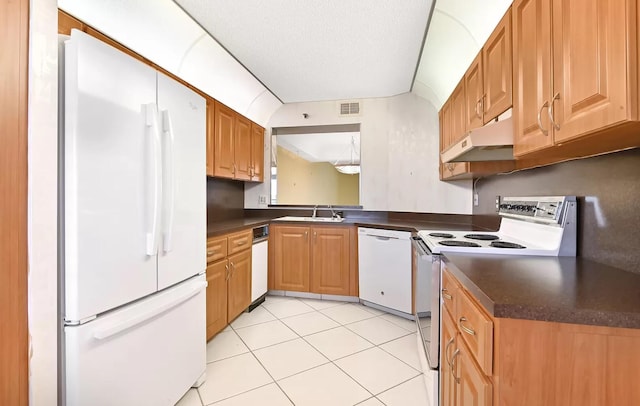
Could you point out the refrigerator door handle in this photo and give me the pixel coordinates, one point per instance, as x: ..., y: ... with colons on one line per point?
x: 131, y: 322
x: 169, y: 181
x: 154, y: 173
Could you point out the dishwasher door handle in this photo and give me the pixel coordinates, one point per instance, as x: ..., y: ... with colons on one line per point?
x: 382, y: 237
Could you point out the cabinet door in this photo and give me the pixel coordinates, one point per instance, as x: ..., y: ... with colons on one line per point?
x: 224, y: 130
x: 239, y: 290
x: 330, y: 260
x: 590, y: 65
x: 257, y: 153
x: 448, y: 341
x: 532, y: 83
x: 458, y: 114
x: 210, y: 135
x: 473, y: 388
x: 474, y: 93
x: 496, y: 65
x: 242, y: 148
x: 445, y: 126
x: 291, y: 258
x: 216, y: 297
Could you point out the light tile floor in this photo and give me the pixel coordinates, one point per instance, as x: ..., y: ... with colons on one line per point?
x: 308, y: 352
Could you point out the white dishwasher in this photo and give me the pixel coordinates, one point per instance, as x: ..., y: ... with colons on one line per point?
x: 385, y: 268
x: 259, y: 254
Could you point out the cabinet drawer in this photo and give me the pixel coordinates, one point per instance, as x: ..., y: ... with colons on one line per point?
x: 240, y: 241
x: 216, y: 248
x: 450, y: 289
x: 476, y: 329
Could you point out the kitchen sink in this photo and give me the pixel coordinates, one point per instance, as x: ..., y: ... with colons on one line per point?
x: 311, y: 219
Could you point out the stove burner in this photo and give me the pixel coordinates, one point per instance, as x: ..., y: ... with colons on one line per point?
x: 482, y: 237
x: 453, y: 243
x: 441, y: 235
x: 505, y: 244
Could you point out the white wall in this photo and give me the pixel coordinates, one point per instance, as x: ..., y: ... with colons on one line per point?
x: 42, y: 150
x: 399, y: 154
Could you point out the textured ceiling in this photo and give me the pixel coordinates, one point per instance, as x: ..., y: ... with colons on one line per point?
x: 321, y: 49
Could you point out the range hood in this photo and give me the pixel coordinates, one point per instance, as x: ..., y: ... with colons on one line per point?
x: 493, y: 142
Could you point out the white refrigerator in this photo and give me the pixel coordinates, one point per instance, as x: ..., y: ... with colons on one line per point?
x: 133, y: 224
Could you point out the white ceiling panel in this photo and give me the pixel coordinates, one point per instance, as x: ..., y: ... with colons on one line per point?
x: 321, y: 49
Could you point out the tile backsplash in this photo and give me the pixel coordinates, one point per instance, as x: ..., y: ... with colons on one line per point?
x: 608, y: 190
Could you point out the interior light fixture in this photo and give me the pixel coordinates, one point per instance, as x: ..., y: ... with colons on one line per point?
x: 349, y: 169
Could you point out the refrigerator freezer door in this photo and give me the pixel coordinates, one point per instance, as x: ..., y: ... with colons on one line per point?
x: 111, y: 152
x: 147, y: 353
x: 183, y: 241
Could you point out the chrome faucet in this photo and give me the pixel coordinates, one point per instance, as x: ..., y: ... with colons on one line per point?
x: 333, y: 213
x: 315, y: 210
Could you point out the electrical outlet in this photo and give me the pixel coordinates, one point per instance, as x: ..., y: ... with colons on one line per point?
x: 262, y: 199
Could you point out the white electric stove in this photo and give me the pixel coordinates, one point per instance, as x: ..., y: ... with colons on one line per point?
x: 530, y: 226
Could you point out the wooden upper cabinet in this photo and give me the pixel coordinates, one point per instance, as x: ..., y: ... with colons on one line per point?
x: 445, y: 126
x: 532, y: 79
x: 497, y: 70
x: 575, y: 74
x: 474, y: 93
x: 257, y: 153
x: 458, y: 114
x: 330, y: 260
x: 223, y: 147
x: 291, y: 258
x: 593, y: 40
x: 242, y: 148
x: 66, y: 23
x: 211, y: 116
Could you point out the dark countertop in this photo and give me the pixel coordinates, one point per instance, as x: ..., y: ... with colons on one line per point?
x: 557, y: 289
x: 232, y: 225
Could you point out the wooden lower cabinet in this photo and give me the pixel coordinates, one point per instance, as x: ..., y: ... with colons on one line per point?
x: 228, y: 279
x: 330, y: 261
x: 291, y: 254
x: 316, y: 259
x: 448, y: 342
x: 239, y: 287
x: 473, y: 388
x: 216, y: 297
x: 537, y: 362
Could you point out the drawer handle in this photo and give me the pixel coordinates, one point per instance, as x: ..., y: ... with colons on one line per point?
x: 210, y: 252
x: 446, y: 295
x: 241, y: 243
x: 466, y: 329
x: 453, y: 365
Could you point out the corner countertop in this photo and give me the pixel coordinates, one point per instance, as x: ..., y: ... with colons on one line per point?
x: 556, y: 289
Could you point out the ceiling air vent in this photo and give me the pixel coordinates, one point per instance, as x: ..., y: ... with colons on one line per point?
x: 350, y: 109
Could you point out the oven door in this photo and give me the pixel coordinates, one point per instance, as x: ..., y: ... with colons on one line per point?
x: 427, y: 300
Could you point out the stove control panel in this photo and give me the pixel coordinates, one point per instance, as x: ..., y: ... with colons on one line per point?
x: 543, y: 209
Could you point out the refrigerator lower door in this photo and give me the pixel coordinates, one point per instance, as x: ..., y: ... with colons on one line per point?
x: 183, y: 116
x: 147, y: 353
